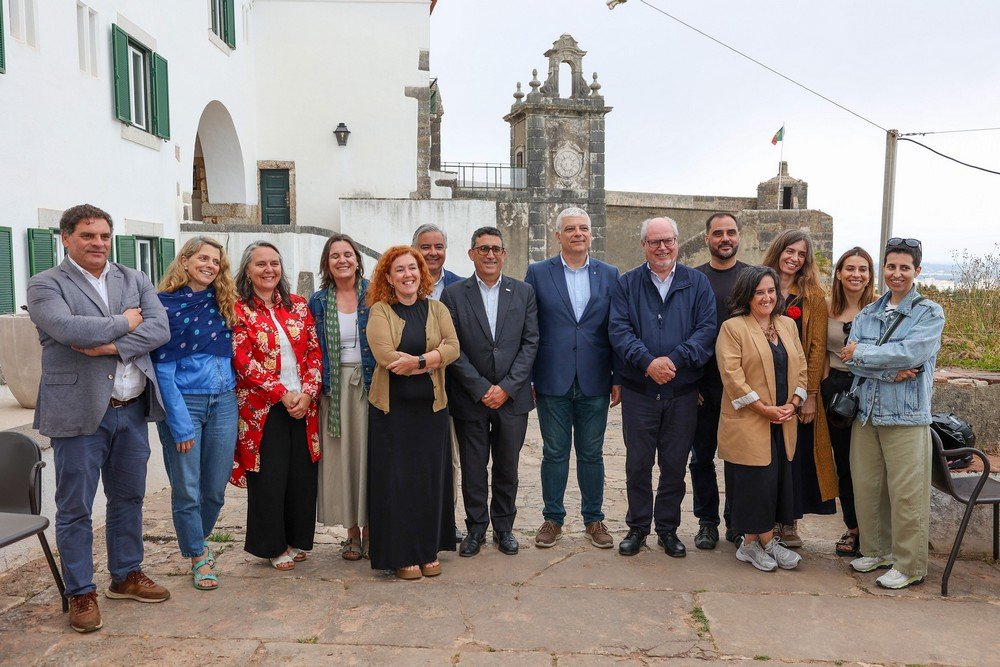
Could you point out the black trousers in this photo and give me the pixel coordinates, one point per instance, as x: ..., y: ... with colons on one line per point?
x: 762, y: 495
x: 704, y: 485
x: 500, y: 435
x: 840, y: 438
x: 281, y: 497
x: 659, y: 429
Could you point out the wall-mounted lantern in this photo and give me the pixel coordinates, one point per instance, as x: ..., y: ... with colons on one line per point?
x: 341, y: 133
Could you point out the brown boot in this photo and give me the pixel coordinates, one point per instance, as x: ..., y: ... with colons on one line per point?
x: 84, y: 616
x: 137, y: 586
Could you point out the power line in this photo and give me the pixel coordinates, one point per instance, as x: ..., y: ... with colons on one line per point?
x: 966, y: 164
x: 924, y: 134
x: 767, y: 67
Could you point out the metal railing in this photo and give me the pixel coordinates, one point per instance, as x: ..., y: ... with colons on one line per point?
x: 487, y: 175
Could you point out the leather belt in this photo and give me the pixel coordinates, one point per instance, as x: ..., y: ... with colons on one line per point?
x: 115, y: 403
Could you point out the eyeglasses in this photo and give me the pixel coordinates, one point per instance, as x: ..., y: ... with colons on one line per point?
x: 666, y: 243
x: 896, y: 242
x: 485, y: 250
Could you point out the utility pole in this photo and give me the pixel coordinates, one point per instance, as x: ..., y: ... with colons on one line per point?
x: 888, y: 191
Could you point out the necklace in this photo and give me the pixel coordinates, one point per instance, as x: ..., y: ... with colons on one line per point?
x: 769, y: 331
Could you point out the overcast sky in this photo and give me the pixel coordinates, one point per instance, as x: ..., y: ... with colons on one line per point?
x: 691, y: 117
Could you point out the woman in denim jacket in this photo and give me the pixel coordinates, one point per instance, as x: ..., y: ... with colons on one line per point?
x: 891, y: 438
x: 196, y: 378
x: 341, y: 316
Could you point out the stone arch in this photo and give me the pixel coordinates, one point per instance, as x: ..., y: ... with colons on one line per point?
x: 217, y: 144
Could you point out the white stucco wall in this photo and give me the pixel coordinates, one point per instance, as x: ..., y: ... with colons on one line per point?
x: 380, y: 223
x: 299, y: 68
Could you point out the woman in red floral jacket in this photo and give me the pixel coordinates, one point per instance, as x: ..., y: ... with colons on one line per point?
x: 279, y: 376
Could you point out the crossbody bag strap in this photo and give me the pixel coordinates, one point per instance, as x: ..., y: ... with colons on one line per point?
x: 897, y: 317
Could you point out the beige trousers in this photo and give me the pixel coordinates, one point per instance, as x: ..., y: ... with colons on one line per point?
x: 891, y: 470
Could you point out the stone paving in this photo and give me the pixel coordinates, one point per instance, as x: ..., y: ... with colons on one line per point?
x: 568, y: 605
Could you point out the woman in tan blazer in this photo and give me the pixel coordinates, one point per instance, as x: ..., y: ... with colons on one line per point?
x: 814, y: 475
x: 763, y: 371
x: 410, y: 507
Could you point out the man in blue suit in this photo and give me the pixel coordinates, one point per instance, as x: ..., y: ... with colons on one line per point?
x: 573, y: 375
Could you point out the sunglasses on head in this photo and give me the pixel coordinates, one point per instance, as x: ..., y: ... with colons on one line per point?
x: 897, y: 242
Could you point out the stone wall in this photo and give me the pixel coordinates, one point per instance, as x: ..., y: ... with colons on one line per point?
x: 976, y: 401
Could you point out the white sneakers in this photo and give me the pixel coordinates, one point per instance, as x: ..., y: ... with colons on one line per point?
x: 870, y: 563
x: 754, y: 553
x: 784, y: 557
x: 896, y: 579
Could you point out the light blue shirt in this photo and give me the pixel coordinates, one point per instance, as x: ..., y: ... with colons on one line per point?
x: 662, y: 286
x: 491, y: 299
x: 578, y: 285
x: 438, y: 289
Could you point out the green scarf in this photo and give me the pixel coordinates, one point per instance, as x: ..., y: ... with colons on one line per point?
x: 333, y: 355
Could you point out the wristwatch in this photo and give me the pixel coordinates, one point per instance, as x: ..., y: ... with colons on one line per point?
x: 421, y: 362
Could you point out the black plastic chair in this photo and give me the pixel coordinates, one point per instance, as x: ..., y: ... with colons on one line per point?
x: 21, y: 498
x: 968, y: 490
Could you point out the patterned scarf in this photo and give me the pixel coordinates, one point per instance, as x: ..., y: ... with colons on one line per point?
x: 196, y: 325
x: 332, y: 333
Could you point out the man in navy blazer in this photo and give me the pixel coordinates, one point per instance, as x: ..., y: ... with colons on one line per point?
x: 432, y: 243
x: 573, y: 376
x: 662, y: 328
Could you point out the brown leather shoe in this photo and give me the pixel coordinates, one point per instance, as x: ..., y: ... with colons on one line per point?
x: 137, y: 586
x: 84, y: 616
x: 789, y: 535
x: 599, y: 535
x: 548, y: 534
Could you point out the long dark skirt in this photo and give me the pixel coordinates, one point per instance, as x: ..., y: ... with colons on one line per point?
x: 805, y: 481
x: 761, y: 495
x: 411, y: 510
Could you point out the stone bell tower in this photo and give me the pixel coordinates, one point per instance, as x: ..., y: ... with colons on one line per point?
x: 559, y: 142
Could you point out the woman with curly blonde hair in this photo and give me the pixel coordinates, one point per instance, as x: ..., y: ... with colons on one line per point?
x: 197, y: 382
x: 410, y: 509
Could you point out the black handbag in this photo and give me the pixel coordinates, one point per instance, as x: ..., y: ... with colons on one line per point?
x: 843, y: 407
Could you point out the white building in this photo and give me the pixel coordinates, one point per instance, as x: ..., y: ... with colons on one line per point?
x: 169, y: 113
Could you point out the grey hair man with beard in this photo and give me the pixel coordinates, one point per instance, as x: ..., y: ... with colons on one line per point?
x: 722, y: 236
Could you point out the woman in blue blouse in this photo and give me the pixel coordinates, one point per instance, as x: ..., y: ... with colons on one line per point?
x: 196, y: 378
x: 341, y: 316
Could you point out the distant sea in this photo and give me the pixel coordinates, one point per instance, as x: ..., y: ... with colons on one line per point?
x: 940, y: 275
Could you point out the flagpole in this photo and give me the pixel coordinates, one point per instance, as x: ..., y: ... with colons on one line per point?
x: 781, y: 159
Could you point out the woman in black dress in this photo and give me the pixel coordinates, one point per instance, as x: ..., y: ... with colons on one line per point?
x: 410, y: 506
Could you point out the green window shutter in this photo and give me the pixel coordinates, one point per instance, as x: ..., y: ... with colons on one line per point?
x: 165, y: 255
x: 161, y: 97
x: 3, y: 58
x: 229, y: 31
x: 41, y: 251
x: 125, y: 251
x: 6, y: 270
x: 119, y: 59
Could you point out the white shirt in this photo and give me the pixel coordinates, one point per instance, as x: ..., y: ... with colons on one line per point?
x: 662, y: 286
x: 289, y: 375
x: 438, y: 288
x: 491, y: 299
x: 129, y: 380
x: 350, y: 350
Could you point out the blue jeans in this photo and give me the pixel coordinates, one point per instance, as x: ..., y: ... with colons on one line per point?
x: 118, y: 452
x: 199, y: 476
x: 587, y: 418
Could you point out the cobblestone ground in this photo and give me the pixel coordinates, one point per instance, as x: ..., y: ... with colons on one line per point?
x: 568, y: 605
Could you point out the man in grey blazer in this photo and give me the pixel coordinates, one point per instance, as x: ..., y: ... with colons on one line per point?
x: 97, y: 322
x: 489, y: 387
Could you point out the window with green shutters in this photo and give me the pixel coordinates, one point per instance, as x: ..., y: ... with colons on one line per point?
x: 125, y: 250
x: 165, y: 255
x: 141, y: 89
x: 6, y: 271
x: 42, y: 253
x: 224, y: 21
x: 3, y: 56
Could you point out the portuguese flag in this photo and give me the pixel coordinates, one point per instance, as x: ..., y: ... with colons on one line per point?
x: 778, y: 136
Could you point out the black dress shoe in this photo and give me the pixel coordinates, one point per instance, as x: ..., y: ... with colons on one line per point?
x: 707, y: 537
x: 471, y: 544
x: 673, y: 546
x: 458, y: 535
x: 632, y: 543
x: 505, y: 541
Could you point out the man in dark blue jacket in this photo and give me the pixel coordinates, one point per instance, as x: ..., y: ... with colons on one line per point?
x: 573, y: 375
x: 662, y: 328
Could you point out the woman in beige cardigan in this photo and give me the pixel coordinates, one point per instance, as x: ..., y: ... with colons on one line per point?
x: 410, y: 507
x: 763, y: 371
